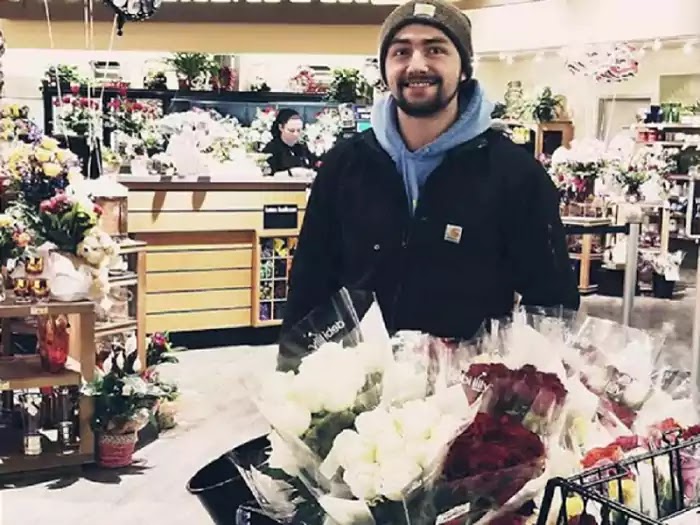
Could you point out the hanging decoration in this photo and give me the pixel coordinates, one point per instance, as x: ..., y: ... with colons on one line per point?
x: 132, y: 10
x: 605, y: 62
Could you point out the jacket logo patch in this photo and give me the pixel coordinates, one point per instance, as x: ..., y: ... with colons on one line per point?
x: 453, y: 233
x: 421, y: 9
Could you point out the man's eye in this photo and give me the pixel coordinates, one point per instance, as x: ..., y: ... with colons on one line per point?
x: 400, y: 52
x: 436, y: 51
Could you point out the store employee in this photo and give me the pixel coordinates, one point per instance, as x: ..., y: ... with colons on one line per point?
x: 287, y: 154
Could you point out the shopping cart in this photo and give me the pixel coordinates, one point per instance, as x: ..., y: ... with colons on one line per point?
x: 600, y: 494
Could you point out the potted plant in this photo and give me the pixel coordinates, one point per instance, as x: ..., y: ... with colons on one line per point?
x: 547, y: 106
x: 124, y: 402
x: 349, y: 86
x: 666, y: 273
x: 191, y: 69
x: 160, y: 350
x: 156, y: 81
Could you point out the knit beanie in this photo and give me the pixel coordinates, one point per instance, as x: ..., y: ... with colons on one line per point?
x: 440, y: 14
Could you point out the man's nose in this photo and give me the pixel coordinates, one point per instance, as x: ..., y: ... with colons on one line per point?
x: 418, y: 61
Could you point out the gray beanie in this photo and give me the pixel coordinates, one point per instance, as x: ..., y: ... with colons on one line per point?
x: 437, y: 13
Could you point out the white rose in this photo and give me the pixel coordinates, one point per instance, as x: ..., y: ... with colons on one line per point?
x: 341, y: 395
x: 374, y: 358
x: 308, y: 392
x: 416, y: 418
x: 287, y: 417
x: 350, y: 448
x: 388, y: 445
x: 404, y: 381
x: 363, y: 480
x: 281, y: 457
x: 396, y: 476
x: 374, y: 423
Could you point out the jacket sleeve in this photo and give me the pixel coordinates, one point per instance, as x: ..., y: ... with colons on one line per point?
x: 275, y: 160
x: 315, y: 275
x: 537, y: 248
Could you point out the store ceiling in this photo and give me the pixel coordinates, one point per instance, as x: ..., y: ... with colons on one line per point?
x: 353, y: 12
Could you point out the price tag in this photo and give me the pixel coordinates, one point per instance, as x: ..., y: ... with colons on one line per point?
x: 39, y: 310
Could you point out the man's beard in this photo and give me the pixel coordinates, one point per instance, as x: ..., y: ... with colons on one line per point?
x: 428, y: 107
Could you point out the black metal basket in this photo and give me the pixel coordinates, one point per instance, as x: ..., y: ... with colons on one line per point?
x: 602, y: 488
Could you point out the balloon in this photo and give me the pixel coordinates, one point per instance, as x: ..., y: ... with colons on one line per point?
x: 132, y: 10
x: 604, y: 62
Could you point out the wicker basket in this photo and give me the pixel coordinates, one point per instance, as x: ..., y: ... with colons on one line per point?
x: 116, y: 450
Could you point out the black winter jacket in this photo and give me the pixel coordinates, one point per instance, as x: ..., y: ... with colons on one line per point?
x: 486, y: 225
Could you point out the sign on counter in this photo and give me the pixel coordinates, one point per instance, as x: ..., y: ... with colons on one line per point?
x: 281, y: 217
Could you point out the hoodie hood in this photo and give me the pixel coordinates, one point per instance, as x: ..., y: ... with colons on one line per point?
x: 416, y: 166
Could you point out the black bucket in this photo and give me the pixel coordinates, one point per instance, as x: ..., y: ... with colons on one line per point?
x: 222, y: 490
x: 661, y: 288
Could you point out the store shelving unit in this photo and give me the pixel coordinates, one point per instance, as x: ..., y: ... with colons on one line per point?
x: 25, y: 372
x: 133, y: 280
x: 273, y: 256
x: 587, y: 259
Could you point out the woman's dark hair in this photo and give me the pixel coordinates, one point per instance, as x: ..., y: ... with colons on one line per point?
x: 283, y: 116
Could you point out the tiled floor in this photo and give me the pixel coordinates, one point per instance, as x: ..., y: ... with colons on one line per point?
x: 215, y: 416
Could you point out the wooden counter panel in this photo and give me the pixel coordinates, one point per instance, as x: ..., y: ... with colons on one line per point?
x: 208, y: 259
x: 203, y: 320
x: 211, y: 200
x: 187, y: 241
x: 183, y: 281
x: 197, y: 221
x: 208, y: 300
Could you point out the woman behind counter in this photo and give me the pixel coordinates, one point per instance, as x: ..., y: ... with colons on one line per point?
x: 288, y: 155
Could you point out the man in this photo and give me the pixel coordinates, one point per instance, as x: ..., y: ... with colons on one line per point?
x: 442, y: 217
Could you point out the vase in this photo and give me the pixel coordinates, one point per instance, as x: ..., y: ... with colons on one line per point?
x: 167, y: 412
x: 116, y: 450
x: 53, y: 342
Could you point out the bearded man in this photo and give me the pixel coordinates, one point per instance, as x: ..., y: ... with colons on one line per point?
x: 442, y: 217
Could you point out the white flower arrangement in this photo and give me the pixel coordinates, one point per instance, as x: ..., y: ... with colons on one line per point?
x: 320, y: 135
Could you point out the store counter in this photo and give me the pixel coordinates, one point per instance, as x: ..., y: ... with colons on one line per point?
x: 219, y: 250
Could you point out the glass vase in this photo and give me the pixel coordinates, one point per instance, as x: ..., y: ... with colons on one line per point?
x: 53, y: 342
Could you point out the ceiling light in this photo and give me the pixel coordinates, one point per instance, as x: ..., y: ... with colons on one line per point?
x: 689, y: 47
x: 657, y: 45
x: 539, y: 57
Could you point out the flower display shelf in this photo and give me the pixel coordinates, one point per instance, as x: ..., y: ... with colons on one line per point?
x: 595, y: 491
x: 26, y: 372
x: 586, y: 260
x: 134, y: 280
x: 273, y: 255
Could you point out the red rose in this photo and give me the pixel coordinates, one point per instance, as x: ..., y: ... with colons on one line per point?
x: 45, y: 206
x: 691, y: 432
x: 159, y: 340
x: 602, y: 456
x: 75, y: 89
x: 627, y: 443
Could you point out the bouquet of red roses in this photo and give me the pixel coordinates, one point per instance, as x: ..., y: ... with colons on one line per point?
x: 528, y: 396
x: 488, y: 464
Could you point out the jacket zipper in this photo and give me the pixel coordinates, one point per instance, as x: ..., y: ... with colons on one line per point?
x: 410, y: 221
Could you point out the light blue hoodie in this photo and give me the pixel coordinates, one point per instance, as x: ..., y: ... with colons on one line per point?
x: 416, y: 166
